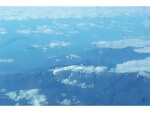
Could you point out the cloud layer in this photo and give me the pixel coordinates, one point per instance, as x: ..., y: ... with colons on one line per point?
x: 19, y: 13
x: 122, y: 43
x: 133, y: 66
x: 33, y: 96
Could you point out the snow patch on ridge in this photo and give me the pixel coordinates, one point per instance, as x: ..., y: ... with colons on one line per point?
x: 77, y: 75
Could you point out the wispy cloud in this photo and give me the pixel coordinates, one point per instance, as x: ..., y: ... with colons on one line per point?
x: 33, y: 96
x: 43, y: 29
x: 83, y: 26
x: 72, y: 101
x: 122, y: 43
x: 2, y: 31
x: 6, y: 60
x: 43, y: 47
x: 58, y: 44
x: 71, y: 56
x: 65, y: 102
x: 61, y: 26
x: 133, y: 66
x: 57, y: 60
x: 36, y: 46
x: 40, y: 29
x: 53, y: 44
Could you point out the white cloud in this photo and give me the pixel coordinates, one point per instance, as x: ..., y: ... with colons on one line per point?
x: 133, y: 66
x: 2, y: 31
x: 81, y: 25
x: 72, y: 75
x: 68, y: 81
x: 36, y: 46
x: 76, y: 83
x: 12, y: 95
x: 40, y: 29
x: 71, y: 101
x: 71, y: 56
x: 145, y: 49
x: 47, y: 29
x: 33, y: 96
x: 122, y: 43
x: 43, y: 29
x: 54, y: 44
x: 142, y: 73
x: 57, y: 60
x: 126, y: 30
x: 80, y: 68
x: 58, y: 44
x: 61, y: 26
x: 51, y: 45
x: 6, y: 60
x: 84, y: 85
x: 65, y: 102
x: 43, y: 47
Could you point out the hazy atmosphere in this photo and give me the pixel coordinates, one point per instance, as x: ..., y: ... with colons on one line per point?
x: 52, y: 56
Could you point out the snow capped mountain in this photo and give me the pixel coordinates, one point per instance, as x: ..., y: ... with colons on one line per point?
x: 74, y: 56
x: 81, y: 84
